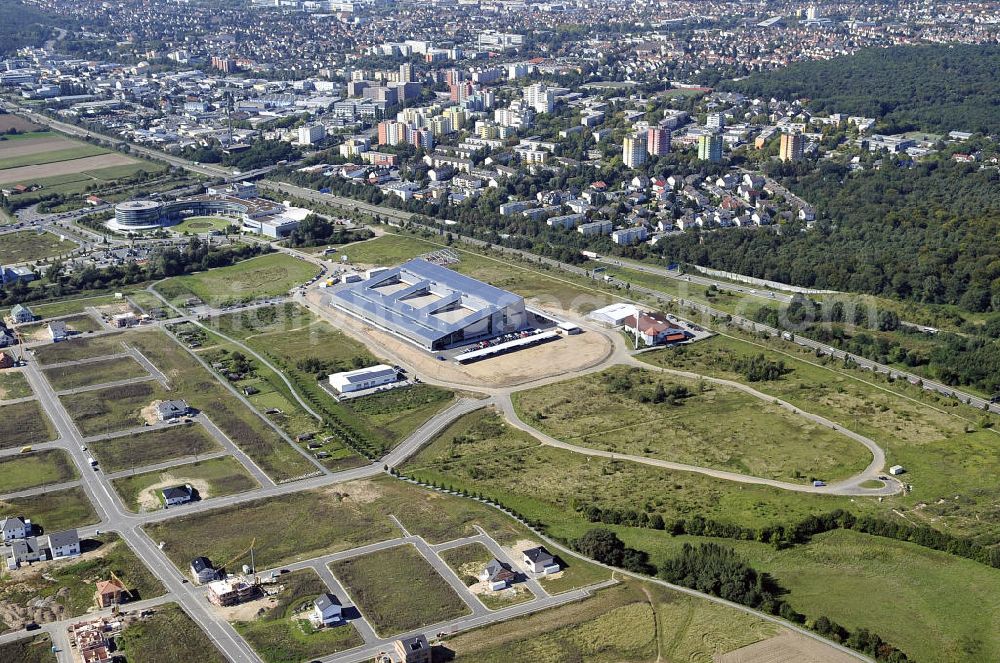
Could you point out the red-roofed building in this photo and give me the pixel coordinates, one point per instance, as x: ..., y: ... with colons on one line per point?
x: 655, y: 329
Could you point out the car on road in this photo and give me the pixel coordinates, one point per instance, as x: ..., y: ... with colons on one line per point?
x: 32, y: 626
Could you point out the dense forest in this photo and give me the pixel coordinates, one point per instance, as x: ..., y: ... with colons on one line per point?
x: 25, y: 26
x: 937, y: 88
x: 926, y: 233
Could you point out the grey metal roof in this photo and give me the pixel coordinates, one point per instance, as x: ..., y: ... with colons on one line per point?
x: 538, y: 554
x: 60, y: 539
x: 419, y: 323
x: 199, y: 564
x: 325, y: 601
x: 176, y: 491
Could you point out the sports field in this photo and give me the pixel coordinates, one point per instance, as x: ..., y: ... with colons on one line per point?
x: 202, y: 224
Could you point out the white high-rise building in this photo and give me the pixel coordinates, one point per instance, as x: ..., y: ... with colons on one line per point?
x: 540, y: 98
x: 716, y: 121
x: 311, y: 133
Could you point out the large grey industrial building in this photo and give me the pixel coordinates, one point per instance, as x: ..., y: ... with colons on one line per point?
x: 433, y: 306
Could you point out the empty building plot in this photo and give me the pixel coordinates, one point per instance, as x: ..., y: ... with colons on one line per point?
x: 432, y: 306
x: 24, y: 423
x: 385, y: 584
x: 76, y: 376
x: 157, y: 446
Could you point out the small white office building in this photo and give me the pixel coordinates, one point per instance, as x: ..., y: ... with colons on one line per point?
x: 363, y: 378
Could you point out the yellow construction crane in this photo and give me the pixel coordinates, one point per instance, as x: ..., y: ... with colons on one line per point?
x: 241, y: 555
x: 128, y: 592
x: 20, y: 345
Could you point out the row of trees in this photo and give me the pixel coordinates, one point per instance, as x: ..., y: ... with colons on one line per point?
x: 318, y: 231
x: 784, y: 536
x: 170, y: 261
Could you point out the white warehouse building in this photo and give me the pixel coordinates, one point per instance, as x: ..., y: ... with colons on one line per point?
x: 363, y: 378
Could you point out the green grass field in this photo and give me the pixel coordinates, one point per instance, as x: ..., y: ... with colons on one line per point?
x: 78, y: 151
x: 198, y: 225
x: 167, y: 636
x: 13, y: 385
x: 632, y: 621
x: 192, y: 382
x: 336, y: 518
x: 266, y: 276
x: 54, y: 511
x: 715, y: 426
x: 215, y: 477
x: 30, y: 649
x: 283, y: 634
x: 24, y: 423
x: 950, y: 458
x: 948, y: 601
x: 130, y: 451
x: 99, y: 372
x: 397, y: 590
x: 481, y: 453
x: 70, y: 306
x: 80, y: 348
x: 75, y: 186
x: 29, y: 246
x: 395, y: 414
x: 112, y: 409
x: 38, y: 468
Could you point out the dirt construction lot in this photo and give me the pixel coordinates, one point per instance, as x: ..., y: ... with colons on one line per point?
x: 564, y: 355
x: 28, y: 173
x: 17, y: 148
x: 786, y: 647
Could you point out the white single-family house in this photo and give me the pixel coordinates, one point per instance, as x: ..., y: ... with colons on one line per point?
x: 327, y: 609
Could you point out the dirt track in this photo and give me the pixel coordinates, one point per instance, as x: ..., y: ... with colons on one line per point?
x: 25, y: 174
